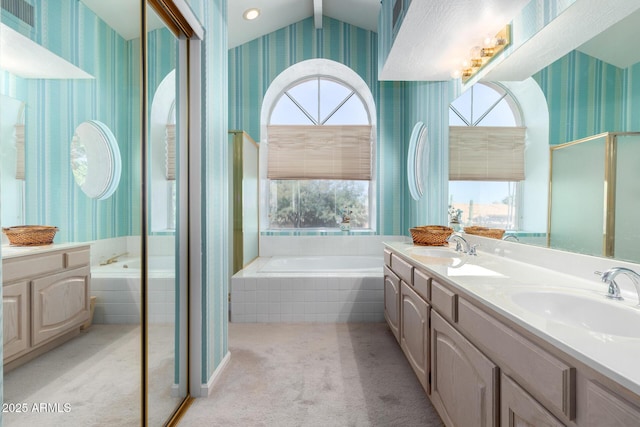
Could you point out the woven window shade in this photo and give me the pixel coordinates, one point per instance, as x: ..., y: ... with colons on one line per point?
x: 19, y: 129
x: 483, y: 153
x: 319, y: 152
x: 170, y: 146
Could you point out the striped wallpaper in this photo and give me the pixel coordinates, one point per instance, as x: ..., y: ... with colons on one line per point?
x: 215, y: 189
x: 56, y: 107
x: 585, y: 97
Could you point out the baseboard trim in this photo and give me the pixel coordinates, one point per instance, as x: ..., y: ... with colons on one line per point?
x: 206, y: 389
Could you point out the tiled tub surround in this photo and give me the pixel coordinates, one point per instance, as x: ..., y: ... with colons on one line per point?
x: 117, y: 285
x: 337, y: 285
x: 502, y: 270
x: 260, y: 294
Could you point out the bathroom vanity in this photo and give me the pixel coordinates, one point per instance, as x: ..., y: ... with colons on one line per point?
x: 493, y: 340
x: 45, y: 298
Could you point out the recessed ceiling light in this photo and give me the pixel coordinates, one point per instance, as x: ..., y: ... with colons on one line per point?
x: 251, y: 14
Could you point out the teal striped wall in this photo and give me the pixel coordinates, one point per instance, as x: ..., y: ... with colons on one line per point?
x: 631, y: 92
x: 584, y: 95
x: 428, y: 102
x: 215, y: 191
x: 56, y: 107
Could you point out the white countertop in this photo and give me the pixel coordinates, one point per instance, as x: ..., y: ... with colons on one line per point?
x: 494, y: 280
x: 9, y: 251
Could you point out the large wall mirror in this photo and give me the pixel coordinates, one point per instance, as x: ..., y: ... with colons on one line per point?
x: 75, y: 142
x: 588, y: 91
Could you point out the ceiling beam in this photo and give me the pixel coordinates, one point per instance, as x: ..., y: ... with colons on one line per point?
x: 317, y: 13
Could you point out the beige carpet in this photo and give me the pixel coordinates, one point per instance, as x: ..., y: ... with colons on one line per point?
x: 97, y: 374
x: 314, y: 375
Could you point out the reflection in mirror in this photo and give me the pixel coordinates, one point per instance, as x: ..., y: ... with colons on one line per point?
x: 81, y: 338
x: 12, y: 144
x: 418, y: 160
x: 95, y: 159
x: 594, y: 186
x: 166, y: 280
x: 590, y: 90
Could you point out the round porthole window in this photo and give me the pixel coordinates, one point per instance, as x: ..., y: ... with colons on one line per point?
x: 418, y: 160
x: 95, y: 159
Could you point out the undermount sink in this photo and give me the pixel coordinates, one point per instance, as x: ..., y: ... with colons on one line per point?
x: 601, y: 316
x: 436, y: 255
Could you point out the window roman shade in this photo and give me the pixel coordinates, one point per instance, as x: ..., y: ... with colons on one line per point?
x: 319, y: 152
x: 484, y: 153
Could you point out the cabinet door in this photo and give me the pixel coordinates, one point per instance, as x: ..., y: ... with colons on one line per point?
x: 519, y: 409
x: 60, y: 302
x: 414, y: 332
x: 604, y: 408
x: 392, y: 301
x: 464, y: 383
x: 16, y: 318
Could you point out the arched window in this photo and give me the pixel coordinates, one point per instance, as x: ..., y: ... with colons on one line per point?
x: 486, y: 161
x: 320, y: 147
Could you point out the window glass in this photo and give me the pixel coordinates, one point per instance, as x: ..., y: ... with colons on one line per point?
x: 306, y: 94
x: 351, y: 113
x: 331, y: 95
x: 287, y: 113
x: 319, y: 203
x: 485, y: 203
x: 500, y: 115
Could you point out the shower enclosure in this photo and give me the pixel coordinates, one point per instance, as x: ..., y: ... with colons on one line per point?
x: 594, y: 183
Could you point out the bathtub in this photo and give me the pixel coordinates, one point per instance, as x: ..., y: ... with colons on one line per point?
x: 117, y: 288
x: 309, y: 289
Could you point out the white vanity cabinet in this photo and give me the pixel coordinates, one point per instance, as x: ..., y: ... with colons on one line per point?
x: 414, y: 332
x: 45, y: 299
x: 392, y: 301
x: 15, y: 318
x: 464, y: 382
x: 482, y: 368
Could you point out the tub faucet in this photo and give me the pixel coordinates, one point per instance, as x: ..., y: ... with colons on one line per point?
x: 461, y: 243
x: 609, y: 276
x: 113, y: 259
x: 511, y: 237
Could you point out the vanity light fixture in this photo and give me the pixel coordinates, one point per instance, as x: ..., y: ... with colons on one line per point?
x: 251, y: 14
x: 481, y: 56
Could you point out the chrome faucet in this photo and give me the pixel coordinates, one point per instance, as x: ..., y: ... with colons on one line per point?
x: 609, y: 276
x: 511, y: 237
x: 461, y: 243
x: 113, y: 259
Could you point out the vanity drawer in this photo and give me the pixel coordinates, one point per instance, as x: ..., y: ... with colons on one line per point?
x: 387, y: 258
x: 422, y: 284
x: 77, y: 258
x: 402, y: 268
x: 31, y: 266
x: 444, y: 301
x: 545, y: 377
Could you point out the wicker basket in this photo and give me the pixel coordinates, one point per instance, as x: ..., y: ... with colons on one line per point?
x: 30, y: 235
x: 431, y: 235
x: 494, y: 233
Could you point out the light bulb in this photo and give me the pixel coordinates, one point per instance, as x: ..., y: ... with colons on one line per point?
x: 251, y: 14
x: 475, y: 52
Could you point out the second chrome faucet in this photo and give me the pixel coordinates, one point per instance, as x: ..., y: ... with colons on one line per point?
x: 609, y: 276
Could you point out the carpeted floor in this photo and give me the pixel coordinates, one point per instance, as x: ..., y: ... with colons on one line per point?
x: 97, y: 375
x: 314, y: 375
